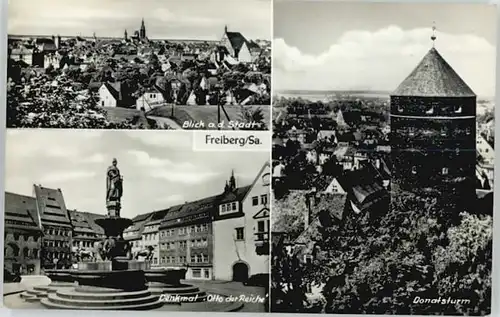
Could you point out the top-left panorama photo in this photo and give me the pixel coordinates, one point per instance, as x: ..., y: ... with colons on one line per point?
x: 131, y: 64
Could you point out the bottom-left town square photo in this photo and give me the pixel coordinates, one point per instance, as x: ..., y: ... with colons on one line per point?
x: 133, y: 220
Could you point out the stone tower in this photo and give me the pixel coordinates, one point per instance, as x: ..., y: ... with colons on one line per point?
x: 433, y: 120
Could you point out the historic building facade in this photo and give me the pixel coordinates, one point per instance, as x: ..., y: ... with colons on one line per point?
x: 241, y: 229
x: 57, y: 227
x: 186, y: 238
x: 151, y: 238
x: 85, y: 232
x: 433, y: 127
x: 22, y: 235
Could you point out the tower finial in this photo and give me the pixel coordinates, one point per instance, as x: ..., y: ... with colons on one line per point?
x: 433, y: 37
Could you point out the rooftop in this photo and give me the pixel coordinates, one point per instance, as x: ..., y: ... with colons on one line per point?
x: 433, y: 77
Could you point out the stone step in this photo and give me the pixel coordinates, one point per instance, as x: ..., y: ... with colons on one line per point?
x: 36, y: 293
x: 74, y: 294
x: 33, y: 299
x: 95, y: 289
x: 54, y: 298
x: 41, y: 288
x: 146, y: 306
x: 166, y: 290
x: 26, y: 295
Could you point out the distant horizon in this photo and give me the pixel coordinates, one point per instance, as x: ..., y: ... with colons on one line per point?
x: 320, y: 91
x: 200, y: 19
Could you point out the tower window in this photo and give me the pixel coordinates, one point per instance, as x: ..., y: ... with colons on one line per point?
x: 411, y: 131
x: 414, y: 170
x: 444, y: 171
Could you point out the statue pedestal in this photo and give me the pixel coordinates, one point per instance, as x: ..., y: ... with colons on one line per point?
x: 113, y: 227
x: 95, y: 266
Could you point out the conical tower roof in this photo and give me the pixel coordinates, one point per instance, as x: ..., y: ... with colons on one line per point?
x: 433, y: 77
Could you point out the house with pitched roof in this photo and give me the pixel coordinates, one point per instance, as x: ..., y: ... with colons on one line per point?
x: 241, y: 229
x: 237, y: 46
x: 111, y: 95
x: 56, y: 225
x: 153, y: 97
x: 22, y: 235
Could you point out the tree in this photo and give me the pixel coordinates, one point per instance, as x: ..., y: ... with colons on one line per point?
x: 250, y: 115
x: 378, y: 265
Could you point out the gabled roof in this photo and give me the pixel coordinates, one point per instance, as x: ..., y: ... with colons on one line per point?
x: 433, y: 77
x: 51, y: 206
x: 360, y: 185
x: 22, y: 209
x: 236, y: 39
x: 115, y: 89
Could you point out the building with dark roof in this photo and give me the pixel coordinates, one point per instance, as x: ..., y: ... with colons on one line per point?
x: 134, y: 233
x: 57, y: 227
x: 241, y: 228
x: 23, y: 235
x: 186, y: 239
x: 433, y: 120
x: 85, y: 231
x: 237, y: 46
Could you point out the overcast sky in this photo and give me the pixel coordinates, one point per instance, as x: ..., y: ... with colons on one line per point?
x: 326, y: 45
x: 159, y: 169
x: 169, y: 19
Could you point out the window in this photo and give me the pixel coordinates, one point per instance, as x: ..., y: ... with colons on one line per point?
x: 207, y: 273
x: 261, y: 225
x: 263, y: 199
x: 240, y: 233
x: 234, y: 206
x: 414, y: 170
x: 444, y: 171
x: 193, y: 258
x: 162, y: 260
x: 196, y: 273
x: 255, y: 201
x: 155, y: 260
x: 308, y: 258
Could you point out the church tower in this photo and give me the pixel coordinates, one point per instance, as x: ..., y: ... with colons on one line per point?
x: 142, y: 33
x: 433, y: 120
x: 125, y: 35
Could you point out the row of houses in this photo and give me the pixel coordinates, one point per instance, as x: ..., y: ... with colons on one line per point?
x: 223, y: 237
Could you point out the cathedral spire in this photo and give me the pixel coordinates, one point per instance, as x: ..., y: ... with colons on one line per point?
x: 433, y: 37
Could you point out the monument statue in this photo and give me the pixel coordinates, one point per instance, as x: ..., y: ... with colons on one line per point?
x: 114, y: 189
x: 114, y: 180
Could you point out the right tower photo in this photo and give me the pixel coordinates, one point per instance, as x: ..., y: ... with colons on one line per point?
x: 383, y: 158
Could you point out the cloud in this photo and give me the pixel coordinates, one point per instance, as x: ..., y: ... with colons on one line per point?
x: 171, y: 199
x: 165, y: 15
x: 144, y: 159
x: 178, y: 172
x: 380, y: 60
x: 65, y: 176
x: 172, y: 139
x: 95, y: 158
x: 184, y: 177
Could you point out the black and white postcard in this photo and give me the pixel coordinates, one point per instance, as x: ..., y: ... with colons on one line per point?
x: 383, y: 157
x: 128, y: 64
x: 123, y: 220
